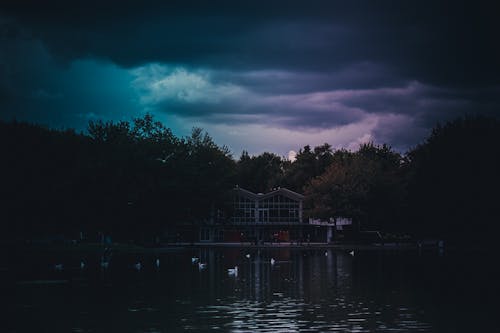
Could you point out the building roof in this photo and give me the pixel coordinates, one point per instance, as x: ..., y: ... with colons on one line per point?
x: 259, y: 196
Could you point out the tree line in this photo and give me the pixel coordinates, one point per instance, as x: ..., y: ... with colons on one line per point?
x: 133, y: 178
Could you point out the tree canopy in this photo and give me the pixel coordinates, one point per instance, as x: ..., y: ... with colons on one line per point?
x: 134, y: 178
x: 123, y: 177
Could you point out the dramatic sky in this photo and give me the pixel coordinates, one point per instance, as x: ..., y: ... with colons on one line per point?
x: 257, y: 75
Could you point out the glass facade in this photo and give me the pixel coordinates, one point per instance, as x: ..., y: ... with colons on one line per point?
x: 244, y: 210
x: 266, y: 209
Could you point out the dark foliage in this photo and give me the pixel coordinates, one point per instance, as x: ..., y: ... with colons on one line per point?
x: 126, y: 179
x: 134, y: 179
x: 366, y: 186
x: 307, y: 165
x: 259, y: 173
x: 454, y: 181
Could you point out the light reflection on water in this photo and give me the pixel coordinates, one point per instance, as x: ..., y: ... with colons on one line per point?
x: 305, y: 290
x: 288, y: 314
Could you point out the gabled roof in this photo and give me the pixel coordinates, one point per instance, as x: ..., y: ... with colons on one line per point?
x: 280, y: 190
x: 246, y: 193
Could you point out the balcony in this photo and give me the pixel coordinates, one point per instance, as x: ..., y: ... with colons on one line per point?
x: 271, y: 221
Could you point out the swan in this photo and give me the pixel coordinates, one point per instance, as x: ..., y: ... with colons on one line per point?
x: 202, y: 266
x: 194, y: 260
x: 352, y: 253
x: 273, y: 261
x: 248, y: 255
x: 233, y: 271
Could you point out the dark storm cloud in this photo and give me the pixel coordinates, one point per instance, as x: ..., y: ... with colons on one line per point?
x: 280, y: 114
x: 36, y: 87
x: 364, y: 75
x: 384, y: 70
x: 449, y: 42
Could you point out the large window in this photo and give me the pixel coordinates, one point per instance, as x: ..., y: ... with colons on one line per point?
x: 244, y: 210
x: 281, y: 209
x: 273, y: 209
x: 204, y: 234
x: 263, y: 215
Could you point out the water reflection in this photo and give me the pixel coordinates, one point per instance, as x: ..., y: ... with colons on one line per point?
x: 298, y: 274
x: 304, y: 290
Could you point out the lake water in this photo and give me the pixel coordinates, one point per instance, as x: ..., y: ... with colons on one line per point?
x: 306, y: 290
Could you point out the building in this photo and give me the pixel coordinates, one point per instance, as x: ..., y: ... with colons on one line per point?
x: 276, y: 216
x: 257, y: 217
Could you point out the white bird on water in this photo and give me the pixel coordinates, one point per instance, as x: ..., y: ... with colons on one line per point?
x: 273, y: 261
x: 233, y: 271
x: 326, y: 254
x: 248, y: 255
x: 138, y: 266
x: 352, y: 253
x: 194, y: 260
x: 157, y: 263
x: 202, y: 266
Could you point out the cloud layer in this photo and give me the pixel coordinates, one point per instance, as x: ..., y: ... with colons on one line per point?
x: 259, y: 76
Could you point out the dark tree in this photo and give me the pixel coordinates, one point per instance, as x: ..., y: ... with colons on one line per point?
x: 365, y: 186
x: 259, y: 173
x: 307, y: 165
x: 127, y: 179
x: 454, y: 182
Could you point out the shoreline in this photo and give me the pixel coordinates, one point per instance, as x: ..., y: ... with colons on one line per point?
x: 285, y: 245
x: 169, y: 247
